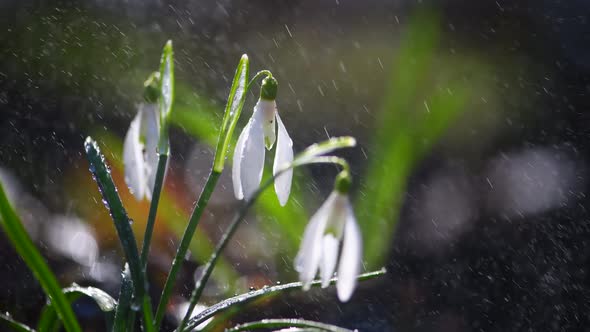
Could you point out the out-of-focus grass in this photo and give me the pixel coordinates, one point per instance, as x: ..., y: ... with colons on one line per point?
x: 426, y: 93
x: 196, y: 116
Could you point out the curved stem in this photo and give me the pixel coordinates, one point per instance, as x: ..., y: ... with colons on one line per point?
x: 184, y: 243
x: 322, y: 160
x: 285, y: 323
x: 259, y: 74
x: 149, y: 228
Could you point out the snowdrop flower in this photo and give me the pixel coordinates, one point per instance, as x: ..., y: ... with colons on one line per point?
x: 140, y: 156
x: 259, y: 133
x: 332, y: 226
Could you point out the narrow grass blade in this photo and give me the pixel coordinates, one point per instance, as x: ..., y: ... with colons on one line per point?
x: 105, y: 302
x: 23, y: 244
x: 113, y: 203
x: 124, y: 307
x: 268, y: 291
x: 48, y: 321
x: 233, y: 109
x: 166, y: 99
x: 14, y: 325
x: 287, y: 323
x: 415, y: 113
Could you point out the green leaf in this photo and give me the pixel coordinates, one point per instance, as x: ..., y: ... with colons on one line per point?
x: 306, y: 325
x: 49, y: 322
x: 242, y: 299
x: 14, y: 325
x: 233, y: 109
x: 166, y: 99
x: 107, y: 188
x: 166, y: 80
x: 23, y: 244
x: 104, y: 301
x: 112, y: 201
x: 124, y: 306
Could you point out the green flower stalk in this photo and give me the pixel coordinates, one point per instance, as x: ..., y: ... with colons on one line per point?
x: 233, y: 109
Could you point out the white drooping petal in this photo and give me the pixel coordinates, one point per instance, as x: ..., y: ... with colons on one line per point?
x: 308, y: 258
x: 140, y: 155
x: 133, y: 158
x: 238, y: 151
x: 150, y: 129
x: 330, y: 246
x: 249, y: 155
x: 283, y: 157
x: 269, y: 109
x: 350, y: 258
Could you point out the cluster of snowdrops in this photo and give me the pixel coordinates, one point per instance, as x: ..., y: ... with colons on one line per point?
x: 331, y: 243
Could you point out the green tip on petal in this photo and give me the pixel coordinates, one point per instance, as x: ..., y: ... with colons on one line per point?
x: 343, y: 182
x: 269, y: 88
x: 151, y: 88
